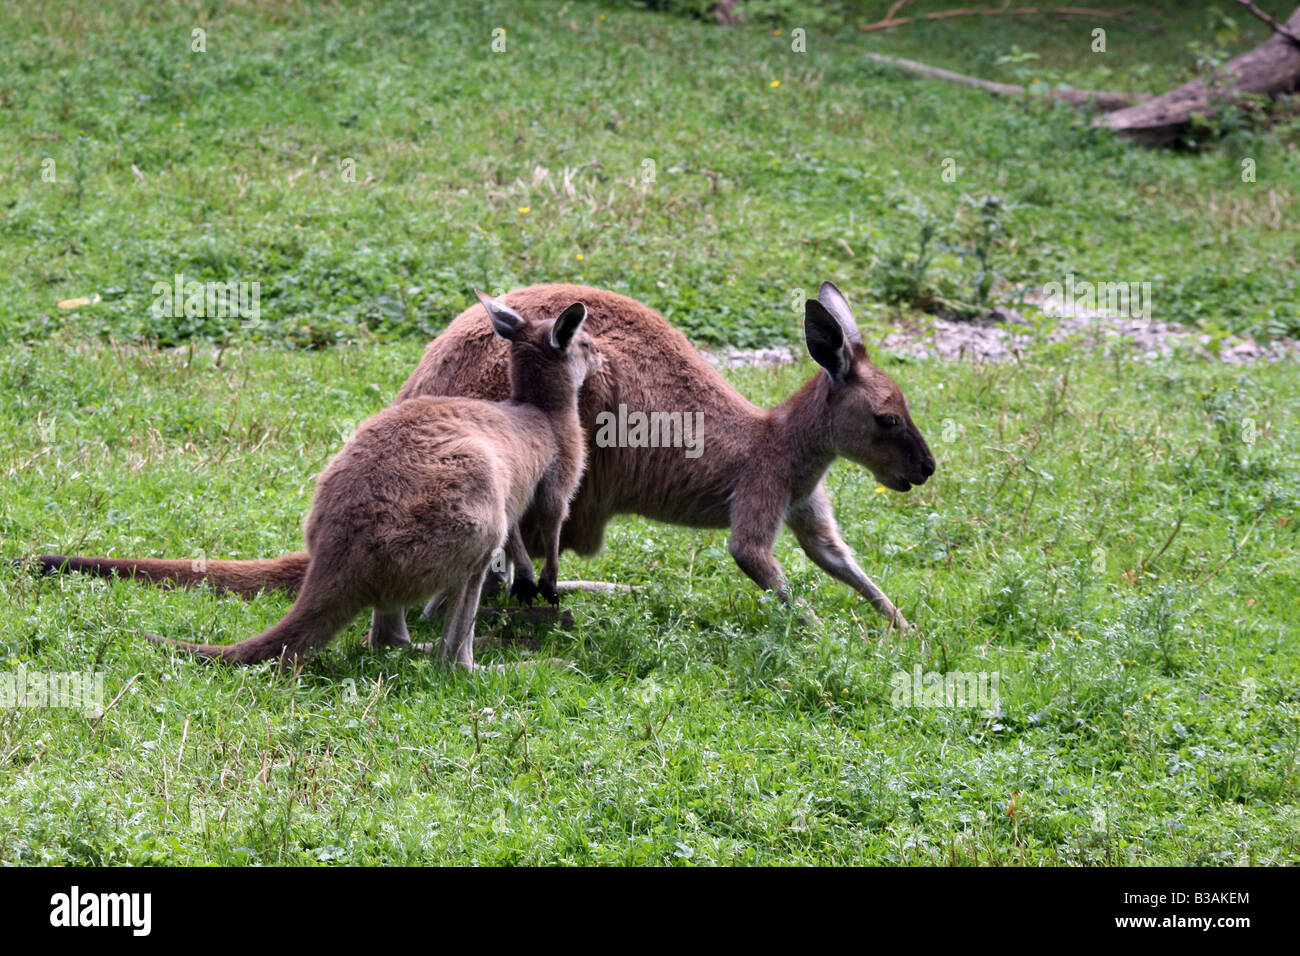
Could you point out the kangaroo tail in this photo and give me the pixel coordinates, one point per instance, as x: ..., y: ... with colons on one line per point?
x: 239, y: 577
x: 310, y: 623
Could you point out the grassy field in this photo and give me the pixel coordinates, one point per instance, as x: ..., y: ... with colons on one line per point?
x: 368, y: 163
x: 1148, y: 703
x: 1117, y: 540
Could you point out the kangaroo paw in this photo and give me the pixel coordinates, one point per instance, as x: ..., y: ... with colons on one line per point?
x: 547, y: 590
x: 525, y: 590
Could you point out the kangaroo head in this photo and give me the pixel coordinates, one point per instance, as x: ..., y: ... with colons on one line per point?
x: 869, y: 420
x: 550, y: 358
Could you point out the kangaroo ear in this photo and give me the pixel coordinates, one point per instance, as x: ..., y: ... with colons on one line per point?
x: 827, y: 343
x: 567, y: 325
x: 833, y: 299
x: 505, y: 320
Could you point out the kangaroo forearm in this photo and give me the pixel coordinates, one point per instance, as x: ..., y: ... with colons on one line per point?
x: 836, y: 560
x: 551, y: 510
x: 854, y: 577
x: 519, y: 555
x: 551, y: 569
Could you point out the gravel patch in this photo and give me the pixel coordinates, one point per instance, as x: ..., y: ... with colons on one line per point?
x: 1004, y: 334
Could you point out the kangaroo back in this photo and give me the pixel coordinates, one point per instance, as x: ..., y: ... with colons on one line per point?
x: 647, y: 366
x: 750, y: 468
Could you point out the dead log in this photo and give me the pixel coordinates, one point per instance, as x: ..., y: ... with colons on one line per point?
x: 1269, y: 69
x: 1102, y: 100
x: 597, y: 587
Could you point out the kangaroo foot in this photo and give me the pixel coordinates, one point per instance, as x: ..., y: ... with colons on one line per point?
x: 807, y: 618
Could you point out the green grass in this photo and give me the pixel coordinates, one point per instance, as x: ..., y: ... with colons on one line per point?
x: 1149, y: 709
x: 1102, y: 533
x: 759, y: 191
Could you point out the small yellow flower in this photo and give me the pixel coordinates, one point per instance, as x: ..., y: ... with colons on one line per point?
x: 763, y: 107
x: 602, y: 16
x: 524, y: 210
x: 580, y: 257
x: 774, y: 84
x: 880, y: 490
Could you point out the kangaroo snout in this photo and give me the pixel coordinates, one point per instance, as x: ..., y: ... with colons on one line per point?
x: 926, y: 468
x: 917, y: 467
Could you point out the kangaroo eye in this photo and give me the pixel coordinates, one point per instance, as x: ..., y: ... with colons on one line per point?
x: 887, y: 421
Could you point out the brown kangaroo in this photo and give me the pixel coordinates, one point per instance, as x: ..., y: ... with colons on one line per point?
x: 755, y: 468
x: 418, y: 501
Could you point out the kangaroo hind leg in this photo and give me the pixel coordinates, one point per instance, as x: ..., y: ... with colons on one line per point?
x: 388, y: 629
x: 457, y: 646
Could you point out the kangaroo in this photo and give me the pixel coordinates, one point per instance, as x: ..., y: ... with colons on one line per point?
x: 757, y: 467
x: 418, y: 501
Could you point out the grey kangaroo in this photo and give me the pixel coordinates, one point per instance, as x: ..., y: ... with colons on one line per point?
x: 421, y: 497
x: 756, y: 469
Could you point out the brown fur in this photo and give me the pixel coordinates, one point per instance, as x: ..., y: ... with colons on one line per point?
x: 422, y: 496
x: 759, y: 467
x: 238, y: 577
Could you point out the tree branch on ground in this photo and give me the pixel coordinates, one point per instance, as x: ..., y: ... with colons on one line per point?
x: 1270, y: 69
x: 1101, y: 100
x: 1271, y: 21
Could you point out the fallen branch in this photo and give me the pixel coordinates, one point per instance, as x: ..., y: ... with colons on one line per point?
x: 597, y: 587
x: 120, y: 694
x: 1271, y: 21
x: 891, y: 20
x: 1102, y: 100
x: 1235, y: 551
